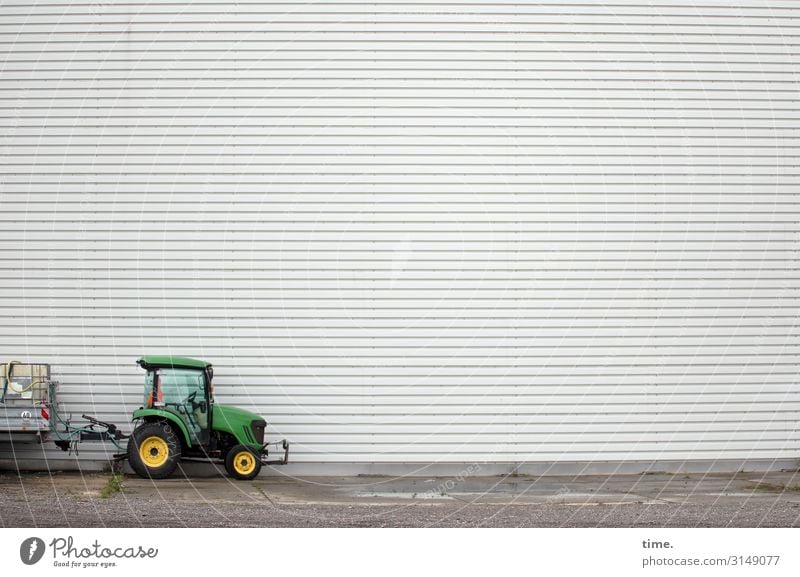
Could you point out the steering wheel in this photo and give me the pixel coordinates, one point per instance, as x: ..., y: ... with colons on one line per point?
x: 191, y: 398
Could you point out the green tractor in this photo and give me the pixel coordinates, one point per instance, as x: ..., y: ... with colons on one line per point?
x: 180, y: 421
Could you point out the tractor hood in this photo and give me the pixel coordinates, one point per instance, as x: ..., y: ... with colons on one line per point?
x: 233, y: 414
x: 233, y: 420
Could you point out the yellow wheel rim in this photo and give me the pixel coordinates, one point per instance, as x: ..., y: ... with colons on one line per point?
x: 244, y: 462
x: 154, y: 451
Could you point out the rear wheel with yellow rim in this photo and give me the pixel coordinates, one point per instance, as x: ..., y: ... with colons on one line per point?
x: 154, y: 450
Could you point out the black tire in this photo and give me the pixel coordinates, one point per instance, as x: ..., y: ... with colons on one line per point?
x: 242, y: 463
x: 154, y: 438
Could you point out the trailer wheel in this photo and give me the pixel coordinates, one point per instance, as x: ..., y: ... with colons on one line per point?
x: 242, y: 463
x: 154, y: 450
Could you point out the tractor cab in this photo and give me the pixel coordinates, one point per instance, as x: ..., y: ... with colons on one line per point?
x: 182, y: 386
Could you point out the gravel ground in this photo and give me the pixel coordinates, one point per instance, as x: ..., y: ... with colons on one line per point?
x: 121, y: 513
x: 71, y: 500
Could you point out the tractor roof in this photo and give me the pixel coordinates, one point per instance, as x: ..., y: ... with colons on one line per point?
x: 155, y: 361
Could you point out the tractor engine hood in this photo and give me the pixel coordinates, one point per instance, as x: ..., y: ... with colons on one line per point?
x: 235, y: 420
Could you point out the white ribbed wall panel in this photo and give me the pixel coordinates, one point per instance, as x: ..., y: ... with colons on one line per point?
x: 410, y: 233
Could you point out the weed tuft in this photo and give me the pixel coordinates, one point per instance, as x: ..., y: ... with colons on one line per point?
x: 113, y: 486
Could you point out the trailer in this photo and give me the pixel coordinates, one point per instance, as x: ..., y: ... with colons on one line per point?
x: 31, y: 413
x: 25, y: 401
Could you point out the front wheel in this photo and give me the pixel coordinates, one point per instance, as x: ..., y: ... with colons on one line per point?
x: 154, y: 450
x: 242, y: 463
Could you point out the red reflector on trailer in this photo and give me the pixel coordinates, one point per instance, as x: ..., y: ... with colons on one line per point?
x: 45, y: 414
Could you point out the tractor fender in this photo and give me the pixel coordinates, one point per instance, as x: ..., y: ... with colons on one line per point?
x: 159, y: 414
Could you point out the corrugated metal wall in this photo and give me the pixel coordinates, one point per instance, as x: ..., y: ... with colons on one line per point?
x: 451, y: 232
